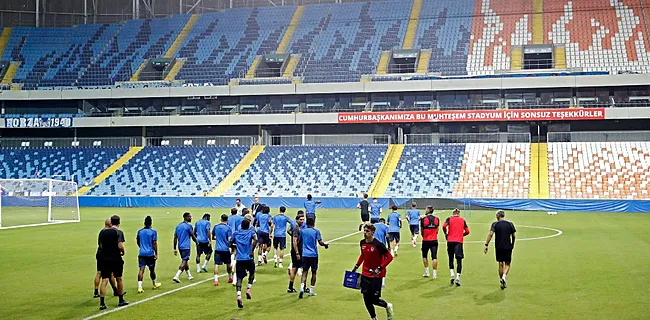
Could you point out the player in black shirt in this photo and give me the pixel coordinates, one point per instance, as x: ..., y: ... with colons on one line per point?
x: 111, y: 250
x: 504, y: 242
x: 98, y: 277
x: 365, y: 213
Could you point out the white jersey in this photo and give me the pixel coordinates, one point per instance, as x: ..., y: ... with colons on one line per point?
x: 240, y: 208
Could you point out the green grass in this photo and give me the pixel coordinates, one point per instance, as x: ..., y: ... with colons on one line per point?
x: 597, y: 269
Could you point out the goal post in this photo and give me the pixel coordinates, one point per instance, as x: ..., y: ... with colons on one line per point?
x: 35, y: 202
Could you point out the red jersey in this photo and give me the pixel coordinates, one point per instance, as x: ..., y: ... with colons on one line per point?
x: 373, y: 255
x: 457, y: 229
x: 429, y: 225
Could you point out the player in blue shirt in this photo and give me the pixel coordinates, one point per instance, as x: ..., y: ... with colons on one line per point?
x: 221, y: 234
x: 147, y: 240
x: 246, y: 240
x: 394, y: 228
x: 310, y: 207
x: 413, y: 217
x: 381, y: 234
x: 310, y: 237
x: 375, y: 211
x: 280, y: 235
x: 203, y: 245
x: 263, y: 222
x: 182, y: 235
x: 381, y: 231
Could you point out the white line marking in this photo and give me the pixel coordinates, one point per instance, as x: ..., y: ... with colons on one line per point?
x: 38, y: 224
x: 183, y: 287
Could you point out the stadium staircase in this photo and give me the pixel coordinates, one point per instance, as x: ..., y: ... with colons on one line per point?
x: 251, y: 70
x: 383, y: 62
x: 543, y: 171
x: 4, y: 40
x: 291, y: 66
x: 291, y: 29
x: 176, y: 68
x: 136, y: 74
x: 111, y: 169
x: 412, y: 27
x: 538, y: 21
x: 386, y: 170
x: 559, y: 57
x: 423, y: 61
x: 11, y: 73
x: 534, y: 171
x: 237, y: 171
x: 180, y: 38
x: 516, y: 58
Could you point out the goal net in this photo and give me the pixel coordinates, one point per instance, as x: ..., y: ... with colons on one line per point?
x: 33, y: 202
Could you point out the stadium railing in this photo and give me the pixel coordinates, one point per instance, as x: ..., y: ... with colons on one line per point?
x: 70, y: 142
x: 203, y: 141
x: 342, y: 139
x: 598, y: 136
x: 488, y: 137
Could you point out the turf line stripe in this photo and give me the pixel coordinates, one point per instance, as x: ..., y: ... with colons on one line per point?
x: 103, y: 313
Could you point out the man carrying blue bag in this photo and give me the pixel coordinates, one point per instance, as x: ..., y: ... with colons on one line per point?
x: 375, y: 258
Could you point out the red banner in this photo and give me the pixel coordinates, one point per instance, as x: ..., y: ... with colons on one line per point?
x: 472, y: 115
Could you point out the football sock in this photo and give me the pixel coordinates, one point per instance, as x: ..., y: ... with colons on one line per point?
x: 458, y: 276
x: 154, y: 281
x: 280, y: 260
x: 426, y: 271
x: 396, y: 247
x: 188, y: 273
x: 504, y: 277
x: 311, y: 289
x: 435, y: 273
x: 96, y: 291
x: 139, y: 284
x: 101, y: 301
x: 121, y: 298
x: 216, y: 277
x: 198, y: 267
x: 451, y: 271
x: 238, y: 294
x: 290, y: 284
x: 178, y: 274
x: 250, y: 285
x: 302, y: 287
x: 205, y: 263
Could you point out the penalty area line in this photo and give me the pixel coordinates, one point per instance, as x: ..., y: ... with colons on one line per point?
x: 101, y: 314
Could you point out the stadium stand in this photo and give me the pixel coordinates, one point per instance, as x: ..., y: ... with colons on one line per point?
x: 599, y: 170
x: 497, y: 26
x: 445, y: 28
x: 494, y: 171
x: 427, y: 171
x: 340, y: 42
x: 172, y: 171
x: 81, y: 163
x: 600, y: 35
x: 218, y: 49
x: 351, y: 38
x: 136, y: 41
x: 325, y: 171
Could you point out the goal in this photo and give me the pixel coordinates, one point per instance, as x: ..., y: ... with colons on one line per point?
x: 35, y: 202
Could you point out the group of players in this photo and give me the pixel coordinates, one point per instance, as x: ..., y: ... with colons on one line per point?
x: 235, y: 240
x: 236, y: 237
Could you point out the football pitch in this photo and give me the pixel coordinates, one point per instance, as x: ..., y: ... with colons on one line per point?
x: 597, y: 268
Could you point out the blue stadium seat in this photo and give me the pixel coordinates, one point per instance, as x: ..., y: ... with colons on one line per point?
x: 81, y: 163
x: 172, y: 171
x: 324, y: 171
x: 427, y: 171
